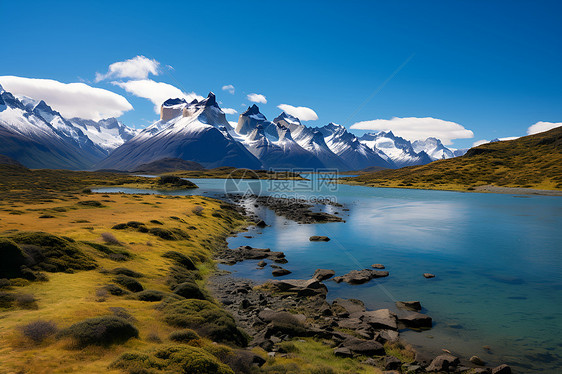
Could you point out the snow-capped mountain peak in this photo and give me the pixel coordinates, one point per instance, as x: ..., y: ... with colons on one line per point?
x: 433, y: 147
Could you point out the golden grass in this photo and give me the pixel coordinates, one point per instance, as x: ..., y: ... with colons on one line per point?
x: 69, y: 298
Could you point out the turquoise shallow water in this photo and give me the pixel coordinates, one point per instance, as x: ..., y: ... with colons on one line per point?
x: 497, y: 261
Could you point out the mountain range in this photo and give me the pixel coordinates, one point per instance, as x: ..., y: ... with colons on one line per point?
x: 37, y: 136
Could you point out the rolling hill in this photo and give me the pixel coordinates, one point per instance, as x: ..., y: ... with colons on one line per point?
x: 533, y: 161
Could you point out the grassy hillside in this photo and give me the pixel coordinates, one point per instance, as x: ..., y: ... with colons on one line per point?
x: 533, y: 161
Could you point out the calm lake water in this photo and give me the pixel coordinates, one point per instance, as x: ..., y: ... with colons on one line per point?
x: 497, y: 261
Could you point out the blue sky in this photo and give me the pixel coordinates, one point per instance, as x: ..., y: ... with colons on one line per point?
x: 492, y: 67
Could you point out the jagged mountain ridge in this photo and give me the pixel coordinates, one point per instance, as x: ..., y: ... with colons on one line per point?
x: 196, y: 131
x: 33, y: 141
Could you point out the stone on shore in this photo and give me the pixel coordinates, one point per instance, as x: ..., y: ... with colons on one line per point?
x: 428, y: 275
x: 414, y: 306
x: 378, y: 266
x: 360, y: 276
x: 380, y: 319
x: 345, y: 307
x: 502, y: 369
x: 392, y: 363
x: 261, y: 224
x: 301, y: 287
x: 262, y: 263
x: 316, y: 238
x: 363, y: 347
x: 323, y: 274
x: 342, y: 352
x: 443, y: 363
x: 477, y: 361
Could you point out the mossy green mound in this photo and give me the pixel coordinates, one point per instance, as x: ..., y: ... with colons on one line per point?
x: 104, y: 330
x: 205, y: 317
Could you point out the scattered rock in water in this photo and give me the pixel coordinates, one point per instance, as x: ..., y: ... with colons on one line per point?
x: 318, y: 238
x: 443, y: 363
x: 262, y: 264
x: 428, y: 275
x: 502, y: 369
x: 378, y: 266
x: 361, y: 276
x: 323, y: 274
x: 280, y: 272
x: 415, y: 320
x: 248, y: 236
x: 477, y: 361
x: 273, y: 266
x: 409, y: 305
x: 261, y: 224
x: 300, y: 287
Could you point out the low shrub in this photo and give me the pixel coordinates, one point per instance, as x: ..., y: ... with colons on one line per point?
x: 175, y: 181
x: 129, y: 283
x: 189, y: 290
x: 90, y: 203
x: 135, y: 224
x: 104, y: 330
x: 179, y: 274
x: 184, y: 336
x: 52, y: 253
x: 115, y: 290
x: 156, y: 222
x: 7, y: 299
x: 192, y: 360
x: 46, y: 216
x: 205, y: 317
x: 181, y: 259
x: 153, y: 337
x: 12, y: 258
x: 26, y: 301
x: 169, y: 234
x: 39, y: 330
x: 121, y: 313
x: 150, y: 295
x: 120, y: 226
x: 116, y: 254
x: 109, y: 238
x: 197, y: 210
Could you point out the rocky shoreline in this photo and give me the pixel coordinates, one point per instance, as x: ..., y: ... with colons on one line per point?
x: 283, y: 309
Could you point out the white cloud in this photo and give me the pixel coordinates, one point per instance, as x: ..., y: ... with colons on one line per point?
x: 480, y: 142
x: 229, y: 88
x: 138, y: 67
x: 542, y: 126
x: 485, y: 141
x: 229, y: 111
x: 413, y: 128
x: 301, y: 112
x: 157, y: 92
x: 257, y: 98
x: 70, y: 99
